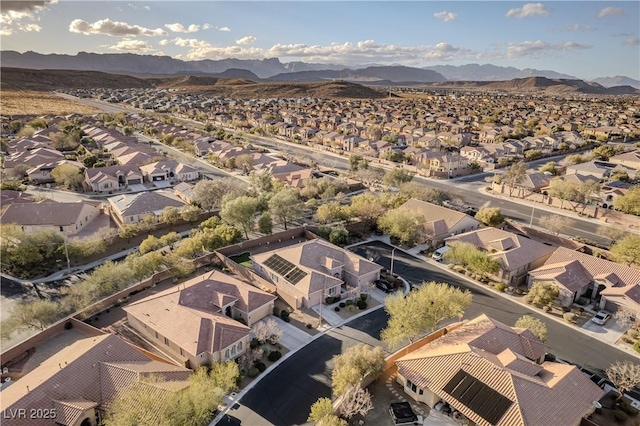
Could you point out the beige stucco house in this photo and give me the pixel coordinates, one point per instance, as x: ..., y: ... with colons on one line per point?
x: 308, y: 272
x: 203, y: 320
x: 491, y: 374
x: 68, y: 218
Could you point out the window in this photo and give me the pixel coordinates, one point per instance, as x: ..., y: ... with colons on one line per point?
x: 412, y: 386
x: 166, y: 341
x: 233, y: 350
x: 156, y: 335
x: 332, y: 291
x: 181, y: 351
x: 61, y: 229
x: 239, y: 346
x: 227, y: 354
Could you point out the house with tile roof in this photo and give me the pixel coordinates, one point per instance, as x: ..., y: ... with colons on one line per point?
x: 68, y: 218
x: 194, y: 322
x: 131, y: 208
x: 169, y: 170
x: 308, y: 272
x: 517, y: 254
x: 79, y: 382
x: 112, y: 178
x: 441, y: 222
x: 608, y: 285
x: 491, y: 374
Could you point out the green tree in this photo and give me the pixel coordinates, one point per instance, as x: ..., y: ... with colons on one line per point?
x: 397, y: 177
x: 286, y: 205
x: 620, y: 175
x: 262, y: 182
x: 240, y: 211
x: 515, y: 175
x: 366, y: 207
x: 170, y: 215
x: 68, y: 175
x: 550, y: 167
x: 322, y: 413
x: 144, y: 265
x: 534, y: 325
x: 15, y: 126
x: 471, y: 257
x: 190, y: 213
x: 208, y: 194
x: 532, y: 154
x: 339, y: 236
x: 140, y: 403
x: 627, y: 250
x: 490, y: 216
x: 245, y: 162
x: 629, y: 202
x: 421, y: 192
x: 576, y: 159
x: 150, y: 243
x: 603, y: 152
x: 543, y: 293
x: 128, y: 231
x: 38, y: 314
x: 331, y: 212
x: 353, y: 365
x: 421, y: 311
x: 405, y: 225
x: 265, y: 224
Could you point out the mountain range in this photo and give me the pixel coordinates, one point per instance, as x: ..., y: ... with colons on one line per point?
x: 274, y: 70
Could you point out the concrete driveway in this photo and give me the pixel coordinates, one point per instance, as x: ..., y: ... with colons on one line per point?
x: 608, y: 333
x: 292, y: 338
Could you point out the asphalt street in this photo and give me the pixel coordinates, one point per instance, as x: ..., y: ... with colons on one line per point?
x: 284, y: 396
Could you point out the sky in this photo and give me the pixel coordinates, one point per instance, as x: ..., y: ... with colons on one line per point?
x: 586, y: 39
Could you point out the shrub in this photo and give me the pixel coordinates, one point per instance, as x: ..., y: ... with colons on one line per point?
x: 636, y: 346
x: 364, y: 296
x: 628, y: 409
x: 309, y: 326
x: 276, y: 311
x: 349, y: 302
x: 620, y: 416
x: 580, y: 309
x: 362, y: 304
x: 275, y: 355
x: 488, y: 188
x: 546, y: 308
x: 569, y: 317
x: 261, y: 367
x: 337, y: 309
x: 342, y: 304
x: 285, y: 316
x: 633, y: 334
x: 352, y: 308
x: 451, y: 266
x: 501, y: 287
x: 566, y: 309
x: 254, y: 343
x: 253, y: 372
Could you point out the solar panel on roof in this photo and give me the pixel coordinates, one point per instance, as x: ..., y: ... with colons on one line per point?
x: 483, y: 400
x: 284, y: 268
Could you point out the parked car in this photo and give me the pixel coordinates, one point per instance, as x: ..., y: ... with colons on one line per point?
x: 384, y: 286
x: 439, y: 254
x: 601, y: 317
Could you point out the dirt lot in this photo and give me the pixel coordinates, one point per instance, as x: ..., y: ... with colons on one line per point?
x: 28, y: 102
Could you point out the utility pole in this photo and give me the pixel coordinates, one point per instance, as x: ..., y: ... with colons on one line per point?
x: 392, y: 256
x: 324, y: 285
x: 66, y: 251
x: 533, y: 209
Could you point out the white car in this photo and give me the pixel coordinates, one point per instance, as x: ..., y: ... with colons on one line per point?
x: 601, y: 317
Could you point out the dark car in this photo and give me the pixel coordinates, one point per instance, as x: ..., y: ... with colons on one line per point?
x: 384, y: 286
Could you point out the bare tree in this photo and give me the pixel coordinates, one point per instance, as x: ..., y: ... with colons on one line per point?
x: 624, y: 375
x: 267, y: 331
x: 627, y: 316
x: 556, y: 223
x: 356, y: 401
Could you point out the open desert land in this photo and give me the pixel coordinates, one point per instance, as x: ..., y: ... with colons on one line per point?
x: 30, y: 102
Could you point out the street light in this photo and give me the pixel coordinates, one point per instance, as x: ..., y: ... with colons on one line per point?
x: 533, y: 209
x: 392, y: 256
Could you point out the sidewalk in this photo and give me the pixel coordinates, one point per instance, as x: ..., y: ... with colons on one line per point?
x: 292, y: 338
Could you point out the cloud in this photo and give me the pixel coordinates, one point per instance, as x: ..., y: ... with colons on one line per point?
x: 206, y: 27
x: 112, y: 28
x: 446, y: 16
x: 610, y: 11
x: 622, y: 35
x: 529, y: 9
x: 163, y: 42
x: 190, y: 42
x: 632, y: 42
x: 577, y: 27
x: 135, y: 7
x: 224, y: 29
x: 246, y: 40
x: 13, y: 13
x: 179, y: 28
x: 539, y: 48
x: 130, y: 45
